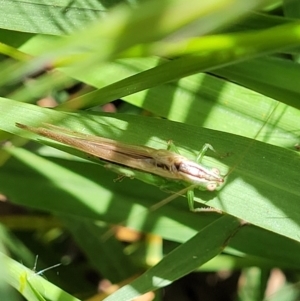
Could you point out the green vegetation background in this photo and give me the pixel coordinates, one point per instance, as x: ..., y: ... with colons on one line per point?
x: 218, y: 72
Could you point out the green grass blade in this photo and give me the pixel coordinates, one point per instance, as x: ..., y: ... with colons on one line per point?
x: 59, y: 19
x: 200, y: 248
x: 254, y: 191
x: 32, y: 286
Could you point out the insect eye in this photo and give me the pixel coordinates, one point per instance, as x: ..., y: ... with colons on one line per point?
x: 215, y: 171
x: 211, y: 186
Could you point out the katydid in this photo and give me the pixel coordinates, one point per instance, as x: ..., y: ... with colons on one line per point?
x: 167, y: 163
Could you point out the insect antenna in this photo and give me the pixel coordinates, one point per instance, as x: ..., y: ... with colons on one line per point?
x: 246, y: 150
x: 43, y: 270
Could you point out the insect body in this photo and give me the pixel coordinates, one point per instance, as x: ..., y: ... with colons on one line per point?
x: 164, y: 163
